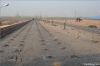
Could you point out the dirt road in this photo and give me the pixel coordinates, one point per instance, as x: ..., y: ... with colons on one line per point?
x: 35, y: 45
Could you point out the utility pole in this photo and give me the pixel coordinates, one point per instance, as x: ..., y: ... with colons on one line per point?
x: 65, y: 24
x: 0, y: 19
x: 1, y: 6
x: 0, y: 13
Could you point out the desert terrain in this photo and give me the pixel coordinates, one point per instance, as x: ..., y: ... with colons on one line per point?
x: 84, y: 22
x: 43, y: 43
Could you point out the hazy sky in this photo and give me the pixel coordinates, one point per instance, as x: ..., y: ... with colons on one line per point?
x: 52, y: 8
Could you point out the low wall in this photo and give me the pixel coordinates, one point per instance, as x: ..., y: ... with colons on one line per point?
x: 11, y: 28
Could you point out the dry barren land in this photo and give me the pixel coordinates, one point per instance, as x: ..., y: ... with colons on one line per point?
x: 40, y: 43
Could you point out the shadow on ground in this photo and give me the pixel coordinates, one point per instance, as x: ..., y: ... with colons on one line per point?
x: 7, y: 63
x: 72, y: 60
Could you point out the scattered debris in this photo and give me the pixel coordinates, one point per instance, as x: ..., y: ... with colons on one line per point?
x: 77, y: 37
x: 59, y: 43
x: 43, y: 44
x: 1, y: 51
x: 74, y: 56
x: 72, y: 28
x: 55, y: 25
x: 50, y: 34
x: 55, y: 39
x: 95, y: 41
x: 8, y: 42
x: 63, y: 48
x: 92, y: 26
x: 17, y: 50
x: 12, y: 39
x: 22, y: 41
x: 11, y: 57
x: 46, y: 49
x: 14, y: 36
x: 24, y: 38
x: 49, y: 57
x: 6, y: 45
x: 21, y: 45
x: 42, y: 40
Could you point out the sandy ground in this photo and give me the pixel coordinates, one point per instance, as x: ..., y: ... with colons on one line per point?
x: 41, y: 44
x: 34, y: 43
x: 12, y: 20
x: 84, y: 22
x: 79, y: 39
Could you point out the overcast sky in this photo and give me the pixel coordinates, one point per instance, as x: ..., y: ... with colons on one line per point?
x: 66, y: 8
